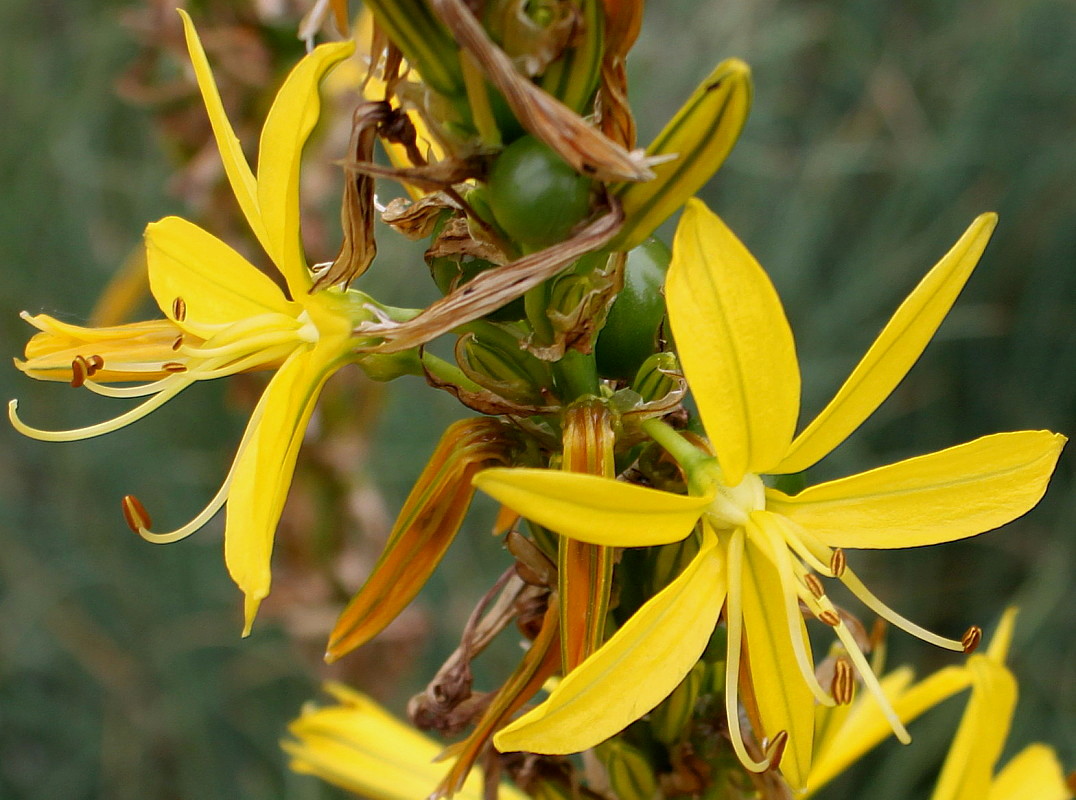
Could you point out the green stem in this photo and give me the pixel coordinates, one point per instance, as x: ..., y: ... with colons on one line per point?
x: 576, y: 375
x: 683, y: 452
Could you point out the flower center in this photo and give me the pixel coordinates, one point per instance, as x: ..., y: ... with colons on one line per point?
x: 733, y: 504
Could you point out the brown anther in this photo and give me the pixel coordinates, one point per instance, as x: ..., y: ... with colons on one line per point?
x: 173, y: 366
x: 80, y: 369
x: 135, y: 513
x: 830, y: 617
x: 843, y: 686
x: 177, y: 342
x: 94, y: 364
x: 971, y: 638
x: 179, y: 309
x: 775, y: 750
x: 811, y: 581
x: 837, y: 562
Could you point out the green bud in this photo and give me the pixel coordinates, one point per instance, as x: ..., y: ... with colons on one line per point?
x: 493, y: 359
x: 655, y: 380
x: 631, y: 777
x: 671, y: 719
x: 700, y: 136
x: 573, y: 77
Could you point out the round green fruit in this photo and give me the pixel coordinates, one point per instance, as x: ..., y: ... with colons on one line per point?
x: 535, y: 196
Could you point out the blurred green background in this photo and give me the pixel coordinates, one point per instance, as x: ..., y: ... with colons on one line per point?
x: 879, y: 131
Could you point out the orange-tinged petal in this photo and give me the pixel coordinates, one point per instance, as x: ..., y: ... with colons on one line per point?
x: 894, y: 352
x: 734, y: 343
x: 216, y: 285
x: 594, y: 509
x: 426, y: 526
x: 782, y: 697
x: 1033, y: 774
x: 969, y: 767
x: 264, y: 467
x: 941, y: 497
x: 291, y: 118
x: 632, y: 672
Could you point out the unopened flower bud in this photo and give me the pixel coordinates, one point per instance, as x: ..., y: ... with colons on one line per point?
x: 631, y: 777
x: 670, y: 720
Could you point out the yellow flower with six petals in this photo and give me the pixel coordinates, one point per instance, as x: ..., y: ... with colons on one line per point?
x: 761, y: 550
x: 225, y: 316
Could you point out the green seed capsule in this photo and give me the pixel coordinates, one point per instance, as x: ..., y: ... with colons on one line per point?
x: 631, y: 776
x: 631, y: 329
x: 670, y: 720
x: 535, y: 196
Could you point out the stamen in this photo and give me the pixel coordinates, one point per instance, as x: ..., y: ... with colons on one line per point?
x: 79, y: 370
x: 734, y: 615
x: 177, y: 342
x: 173, y: 366
x: 811, y: 581
x: 90, y: 431
x: 219, y: 499
x: 871, y: 682
x: 135, y: 513
x: 141, y: 390
x: 852, y: 581
x: 799, y: 539
x: 94, y: 364
x: 765, y: 534
x: 837, y: 562
x: 843, y: 685
x: 775, y: 750
x: 830, y: 617
x: 179, y: 309
x: 971, y: 638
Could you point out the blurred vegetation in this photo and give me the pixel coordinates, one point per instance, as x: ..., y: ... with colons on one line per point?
x: 879, y: 130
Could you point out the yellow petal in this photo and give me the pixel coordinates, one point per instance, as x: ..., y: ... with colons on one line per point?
x: 894, y: 352
x: 735, y: 344
x: 969, y: 767
x: 263, y: 470
x: 632, y: 672
x: 594, y: 509
x: 361, y: 747
x: 783, y: 698
x: 940, y: 497
x: 866, y: 726
x: 291, y: 118
x: 236, y: 167
x: 216, y: 284
x: 1033, y: 774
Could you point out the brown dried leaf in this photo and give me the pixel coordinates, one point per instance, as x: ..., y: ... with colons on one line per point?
x: 455, y: 240
x: 416, y: 219
x: 492, y: 289
x: 587, y: 150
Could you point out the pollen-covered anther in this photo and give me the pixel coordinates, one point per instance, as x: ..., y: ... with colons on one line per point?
x: 177, y: 342
x: 843, y: 686
x: 173, y: 366
x: 830, y: 617
x: 80, y: 370
x: 135, y: 514
x: 179, y: 309
x: 971, y: 638
x: 94, y: 364
x: 775, y: 750
x: 812, y: 582
x: 837, y: 562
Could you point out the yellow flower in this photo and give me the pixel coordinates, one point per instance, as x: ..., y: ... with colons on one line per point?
x: 968, y: 773
x: 363, y: 748
x: 225, y: 316
x: 761, y: 550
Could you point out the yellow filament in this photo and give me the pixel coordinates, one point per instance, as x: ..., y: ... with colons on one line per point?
x: 128, y: 392
x: 852, y: 581
x: 781, y: 559
x: 795, y: 536
x: 734, y: 617
x: 871, y: 681
x: 249, y: 344
x: 88, y: 432
x: 220, y: 498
